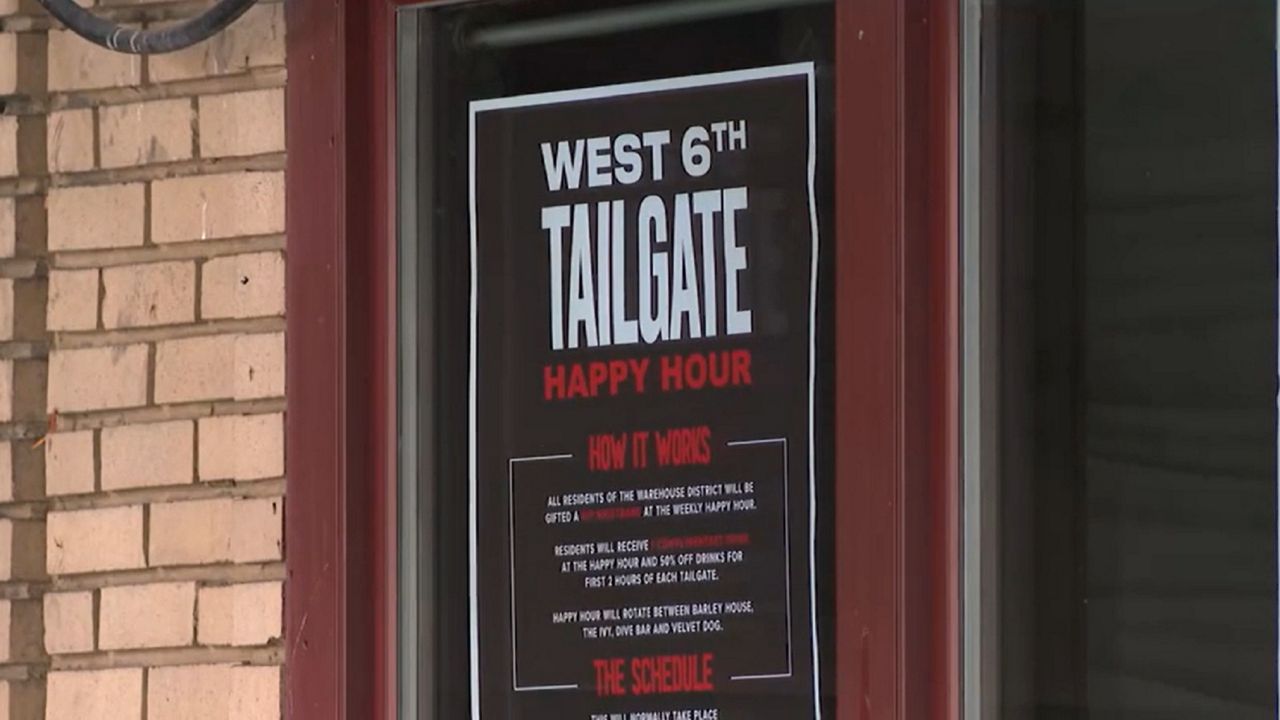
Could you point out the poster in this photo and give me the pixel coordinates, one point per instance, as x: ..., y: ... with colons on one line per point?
x: 644, y: 279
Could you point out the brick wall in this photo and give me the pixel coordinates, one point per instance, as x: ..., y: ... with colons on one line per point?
x: 141, y: 371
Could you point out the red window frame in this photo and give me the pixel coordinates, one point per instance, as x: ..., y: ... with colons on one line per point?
x: 897, y: 384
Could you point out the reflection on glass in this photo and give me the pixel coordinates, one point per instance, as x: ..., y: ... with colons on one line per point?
x: 1135, y: 170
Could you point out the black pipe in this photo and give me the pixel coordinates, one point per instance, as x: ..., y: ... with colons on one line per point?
x: 627, y: 18
x: 135, y: 41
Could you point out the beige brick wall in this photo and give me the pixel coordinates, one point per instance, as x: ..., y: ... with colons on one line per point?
x: 142, y: 270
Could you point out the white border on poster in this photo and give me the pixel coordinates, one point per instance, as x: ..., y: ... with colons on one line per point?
x: 612, y: 91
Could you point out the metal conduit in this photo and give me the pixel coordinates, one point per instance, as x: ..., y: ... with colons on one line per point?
x: 137, y: 41
x: 623, y: 19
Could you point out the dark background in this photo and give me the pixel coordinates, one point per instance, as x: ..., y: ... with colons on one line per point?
x: 1134, y: 151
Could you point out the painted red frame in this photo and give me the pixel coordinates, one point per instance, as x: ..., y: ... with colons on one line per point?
x: 897, y: 356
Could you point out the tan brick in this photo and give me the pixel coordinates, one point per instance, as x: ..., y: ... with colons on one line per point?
x: 69, y: 147
x: 259, y: 366
x: 261, y: 442
x: 95, y: 695
x: 145, y: 133
x: 205, y: 207
x: 73, y: 300
x: 8, y: 63
x: 102, y: 216
x: 146, y: 616
x: 199, y: 368
x: 6, y: 549
x: 98, y: 378
x: 68, y: 463
x: 6, y: 390
x: 243, y: 286
x: 191, y: 533
x: 218, y: 449
x: 255, y: 40
x: 6, y: 631
x: 240, y: 615
x: 255, y: 693
x: 147, y: 455
x: 151, y: 294
x: 8, y: 145
x: 8, y: 228
x: 6, y: 472
x: 68, y: 623
x: 8, y: 7
x: 94, y: 540
x: 258, y: 530
x: 247, y: 123
x: 214, y: 692
x: 213, y: 531
x: 242, y: 447
x: 6, y: 309
x: 77, y: 65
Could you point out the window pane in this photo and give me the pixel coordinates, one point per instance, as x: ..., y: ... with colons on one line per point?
x: 547, y: 621
x: 1134, y: 162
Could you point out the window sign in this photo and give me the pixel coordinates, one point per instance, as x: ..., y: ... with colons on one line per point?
x: 642, y: 427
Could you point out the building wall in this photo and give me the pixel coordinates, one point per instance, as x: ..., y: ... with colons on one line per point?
x: 141, y: 371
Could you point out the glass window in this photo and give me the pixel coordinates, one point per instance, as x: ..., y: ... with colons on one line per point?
x: 1128, y: 333
x: 477, y: 273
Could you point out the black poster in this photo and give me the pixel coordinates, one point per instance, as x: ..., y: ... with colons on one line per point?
x: 644, y: 262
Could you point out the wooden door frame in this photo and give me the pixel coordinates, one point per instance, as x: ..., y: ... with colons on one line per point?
x: 897, y: 385
x: 897, y: 338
